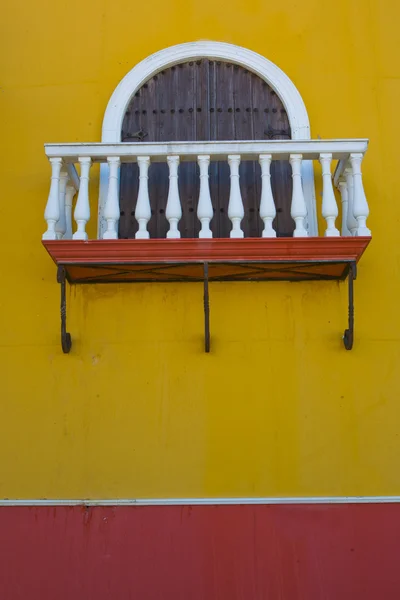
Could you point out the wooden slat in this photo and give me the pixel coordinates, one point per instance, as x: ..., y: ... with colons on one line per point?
x: 225, y: 130
x: 185, y: 120
x: 202, y: 115
x: 202, y: 94
x: 129, y: 174
x: 213, y: 136
x: 260, y: 116
x: 158, y: 173
x: 244, y: 126
x: 281, y: 173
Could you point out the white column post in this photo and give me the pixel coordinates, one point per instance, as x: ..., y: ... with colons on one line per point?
x: 298, y: 209
x: 360, y: 204
x: 267, y: 205
x: 351, y: 221
x: 173, y: 211
x: 111, y: 209
x: 204, y: 209
x: 69, y: 195
x: 143, y: 209
x: 61, y: 224
x: 82, y: 208
x: 345, y: 201
x: 235, y: 206
x: 52, y: 211
x: 329, y: 206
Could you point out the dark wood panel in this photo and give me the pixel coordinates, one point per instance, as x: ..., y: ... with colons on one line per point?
x: 244, y: 130
x: 214, y: 166
x: 222, y: 99
x: 185, y: 129
x: 206, y: 100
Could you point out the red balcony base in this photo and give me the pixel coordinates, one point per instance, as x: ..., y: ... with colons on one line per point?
x: 291, y: 259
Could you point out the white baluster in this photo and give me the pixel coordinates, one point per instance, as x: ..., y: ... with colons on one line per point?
x: 61, y: 224
x: 204, y: 209
x: 143, y: 209
x: 360, y: 204
x: 235, y: 206
x: 351, y: 221
x: 69, y: 196
x: 298, y: 209
x: 267, y: 205
x: 173, y: 211
x: 111, y: 209
x: 82, y: 208
x: 345, y: 201
x: 52, y: 211
x: 329, y: 206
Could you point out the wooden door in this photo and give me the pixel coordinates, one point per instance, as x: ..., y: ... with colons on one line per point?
x: 196, y: 101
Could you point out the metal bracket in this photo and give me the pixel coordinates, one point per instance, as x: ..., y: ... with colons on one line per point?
x: 348, y: 337
x: 65, y: 336
x: 206, y: 311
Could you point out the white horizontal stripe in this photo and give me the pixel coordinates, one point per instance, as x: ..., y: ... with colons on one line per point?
x: 203, y: 501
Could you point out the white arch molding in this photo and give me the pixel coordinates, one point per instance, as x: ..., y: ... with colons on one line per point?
x: 265, y: 69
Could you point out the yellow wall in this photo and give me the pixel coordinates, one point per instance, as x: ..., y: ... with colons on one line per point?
x: 137, y: 409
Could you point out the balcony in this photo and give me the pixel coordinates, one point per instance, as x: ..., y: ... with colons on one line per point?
x: 333, y: 255
x: 326, y: 257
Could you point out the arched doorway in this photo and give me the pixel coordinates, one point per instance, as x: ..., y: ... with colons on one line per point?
x: 278, y: 81
x: 201, y: 100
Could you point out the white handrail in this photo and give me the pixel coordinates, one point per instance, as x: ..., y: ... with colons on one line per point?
x: 189, y: 151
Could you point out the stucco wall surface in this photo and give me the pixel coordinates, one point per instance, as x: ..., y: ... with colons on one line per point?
x: 138, y: 409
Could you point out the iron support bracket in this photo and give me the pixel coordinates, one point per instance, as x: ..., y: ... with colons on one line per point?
x: 65, y: 336
x: 348, y: 337
x: 206, y: 311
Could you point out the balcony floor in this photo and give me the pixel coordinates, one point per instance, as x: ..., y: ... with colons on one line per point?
x: 249, y: 259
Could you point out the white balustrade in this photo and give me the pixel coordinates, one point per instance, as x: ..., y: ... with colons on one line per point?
x: 69, y: 196
x: 267, y: 204
x: 329, y: 206
x: 204, y: 209
x: 143, y: 209
x: 345, y: 203
x: 298, y: 209
x: 111, y: 209
x: 235, y: 206
x: 173, y: 211
x: 61, y: 223
x: 52, y: 211
x: 360, y: 204
x: 82, y: 208
x: 348, y: 179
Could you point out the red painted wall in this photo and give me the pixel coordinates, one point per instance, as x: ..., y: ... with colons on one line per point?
x: 315, y: 552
